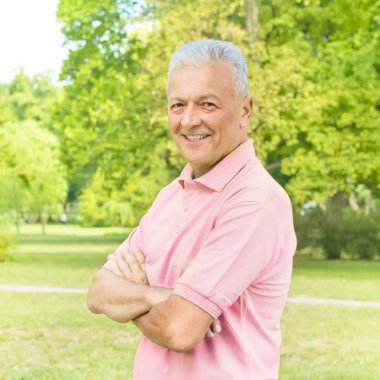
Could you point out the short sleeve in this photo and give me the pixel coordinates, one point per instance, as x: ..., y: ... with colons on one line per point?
x: 244, y: 238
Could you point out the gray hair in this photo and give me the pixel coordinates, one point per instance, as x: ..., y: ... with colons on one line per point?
x: 203, y: 51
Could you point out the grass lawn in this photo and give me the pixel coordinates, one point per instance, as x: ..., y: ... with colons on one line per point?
x: 330, y: 343
x: 357, y: 280
x: 66, y: 256
x: 70, y: 255
x: 50, y: 336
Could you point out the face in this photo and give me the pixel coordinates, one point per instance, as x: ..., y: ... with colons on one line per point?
x: 206, y: 120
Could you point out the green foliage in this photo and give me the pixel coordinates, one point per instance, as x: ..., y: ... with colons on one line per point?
x: 313, y: 73
x: 27, y: 98
x: 32, y: 178
x: 104, y: 205
x: 6, y: 245
x: 339, y: 231
x: 361, y: 235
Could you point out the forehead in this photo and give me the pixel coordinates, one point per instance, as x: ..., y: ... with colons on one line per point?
x: 208, y: 78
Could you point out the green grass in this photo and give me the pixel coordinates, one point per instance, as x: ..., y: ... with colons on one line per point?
x: 70, y: 230
x: 59, y: 260
x: 72, y: 259
x: 50, y: 336
x: 330, y: 343
x: 357, y: 280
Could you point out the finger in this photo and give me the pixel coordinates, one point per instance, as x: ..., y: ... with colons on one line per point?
x: 139, y: 274
x: 123, y: 267
x: 132, y: 262
x: 216, y: 326
x: 209, y: 333
x: 139, y: 256
x: 112, y: 265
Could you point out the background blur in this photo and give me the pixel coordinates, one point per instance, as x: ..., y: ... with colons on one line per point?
x: 84, y: 149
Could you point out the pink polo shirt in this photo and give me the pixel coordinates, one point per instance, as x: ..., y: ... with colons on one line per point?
x: 225, y: 241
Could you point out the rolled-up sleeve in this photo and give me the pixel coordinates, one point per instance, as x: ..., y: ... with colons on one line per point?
x: 244, y: 239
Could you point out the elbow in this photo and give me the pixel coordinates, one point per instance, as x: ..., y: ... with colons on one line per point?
x: 92, y: 305
x: 181, y: 346
x: 182, y: 343
x: 93, y: 294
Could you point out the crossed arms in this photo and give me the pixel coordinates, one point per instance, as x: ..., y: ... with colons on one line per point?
x: 124, y: 294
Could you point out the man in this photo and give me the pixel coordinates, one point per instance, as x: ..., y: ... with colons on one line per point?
x: 206, y: 273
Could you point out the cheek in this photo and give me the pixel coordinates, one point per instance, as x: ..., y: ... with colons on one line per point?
x: 172, y: 123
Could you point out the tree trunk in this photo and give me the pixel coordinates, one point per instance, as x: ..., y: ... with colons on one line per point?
x: 43, y: 223
x: 252, y: 24
x: 17, y: 221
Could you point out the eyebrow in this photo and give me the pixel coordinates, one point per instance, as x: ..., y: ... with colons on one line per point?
x: 202, y: 97
x: 175, y: 99
x: 210, y: 96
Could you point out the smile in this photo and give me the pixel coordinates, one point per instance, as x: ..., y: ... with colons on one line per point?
x: 195, y: 138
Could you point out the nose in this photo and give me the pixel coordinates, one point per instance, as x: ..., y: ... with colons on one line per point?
x: 190, y: 117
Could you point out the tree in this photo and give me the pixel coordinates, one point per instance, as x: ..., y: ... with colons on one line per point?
x: 27, y: 98
x: 32, y: 178
x: 312, y: 71
x: 252, y: 20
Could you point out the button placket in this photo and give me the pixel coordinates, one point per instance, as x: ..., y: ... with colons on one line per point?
x: 186, y: 198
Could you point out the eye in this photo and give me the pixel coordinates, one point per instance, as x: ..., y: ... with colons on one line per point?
x: 208, y: 105
x: 176, y: 106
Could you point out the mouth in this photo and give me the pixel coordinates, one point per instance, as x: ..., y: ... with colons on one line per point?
x: 195, y: 138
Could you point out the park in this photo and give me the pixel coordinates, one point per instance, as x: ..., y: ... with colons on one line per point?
x: 54, y: 336
x: 82, y: 161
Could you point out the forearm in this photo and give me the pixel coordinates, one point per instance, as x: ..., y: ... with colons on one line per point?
x: 164, y: 326
x: 120, y: 299
x: 153, y: 326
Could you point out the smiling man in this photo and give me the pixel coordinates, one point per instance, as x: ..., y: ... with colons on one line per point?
x: 206, y: 273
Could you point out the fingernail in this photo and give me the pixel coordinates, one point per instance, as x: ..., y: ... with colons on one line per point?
x: 218, y: 328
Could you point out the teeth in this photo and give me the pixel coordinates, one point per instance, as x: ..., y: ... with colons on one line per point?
x: 196, y: 137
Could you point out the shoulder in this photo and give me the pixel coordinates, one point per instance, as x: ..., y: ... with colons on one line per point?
x: 253, y: 184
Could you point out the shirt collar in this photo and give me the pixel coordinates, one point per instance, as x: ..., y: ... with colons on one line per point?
x: 222, y: 173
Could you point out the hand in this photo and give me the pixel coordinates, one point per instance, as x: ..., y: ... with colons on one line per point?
x: 131, y: 265
x: 214, y: 329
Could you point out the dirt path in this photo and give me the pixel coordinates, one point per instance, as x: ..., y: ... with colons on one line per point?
x: 41, y: 289
x: 298, y: 300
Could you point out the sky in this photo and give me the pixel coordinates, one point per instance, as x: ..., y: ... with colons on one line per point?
x: 30, y: 37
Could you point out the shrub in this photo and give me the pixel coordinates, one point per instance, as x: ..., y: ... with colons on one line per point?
x: 332, y: 239
x: 361, y: 235
x: 6, y: 244
x: 308, y: 226
x: 338, y: 231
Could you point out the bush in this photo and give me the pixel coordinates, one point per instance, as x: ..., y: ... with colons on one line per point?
x: 308, y: 225
x: 6, y: 244
x: 339, y: 231
x: 361, y: 235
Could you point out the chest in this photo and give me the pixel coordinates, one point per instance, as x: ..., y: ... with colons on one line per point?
x: 175, y: 230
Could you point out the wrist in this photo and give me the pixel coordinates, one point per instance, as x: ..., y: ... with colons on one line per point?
x: 156, y: 295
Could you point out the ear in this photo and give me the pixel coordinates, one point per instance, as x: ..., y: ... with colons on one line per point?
x: 246, y: 111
